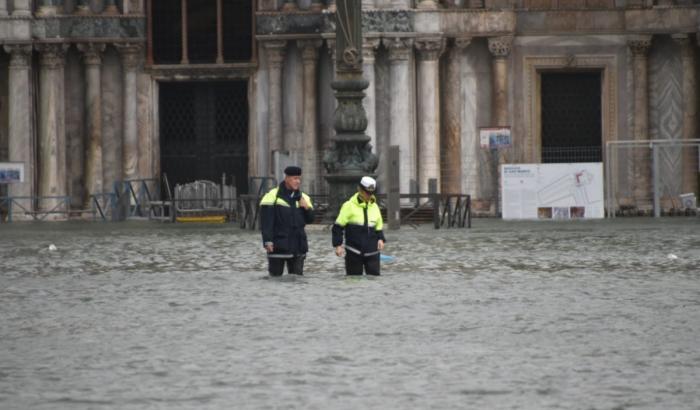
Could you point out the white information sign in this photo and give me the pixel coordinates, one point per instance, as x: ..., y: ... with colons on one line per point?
x: 552, y: 191
x: 11, y: 172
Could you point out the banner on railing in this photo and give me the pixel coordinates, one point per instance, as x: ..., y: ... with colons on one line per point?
x: 11, y: 172
x: 552, y: 191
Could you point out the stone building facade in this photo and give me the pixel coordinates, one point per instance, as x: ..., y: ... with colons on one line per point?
x: 92, y: 92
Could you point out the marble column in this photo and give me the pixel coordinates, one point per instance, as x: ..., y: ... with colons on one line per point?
x: 689, y: 158
x: 131, y: 55
x: 451, y: 147
x: 275, y: 52
x: 310, y: 161
x: 22, y: 8
x: 401, y: 121
x: 641, y: 171
x: 92, y: 57
x: 20, y: 139
x: 3, y: 8
x: 428, y: 115
x: 369, y: 48
x: 51, y: 147
x: 500, y: 50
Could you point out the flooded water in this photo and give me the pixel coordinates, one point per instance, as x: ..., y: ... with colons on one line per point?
x: 582, y: 315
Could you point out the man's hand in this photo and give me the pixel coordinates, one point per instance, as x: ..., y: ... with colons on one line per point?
x: 269, y: 248
x: 380, y: 244
x: 303, y: 203
x: 340, y: 250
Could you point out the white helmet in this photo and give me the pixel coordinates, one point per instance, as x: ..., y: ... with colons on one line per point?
x: 368, y: 184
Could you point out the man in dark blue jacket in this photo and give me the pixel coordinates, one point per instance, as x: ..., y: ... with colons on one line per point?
x: 284, y: 212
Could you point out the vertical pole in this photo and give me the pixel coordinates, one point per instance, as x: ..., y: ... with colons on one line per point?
x: 496, y: 180
x: 185, y: 53
x: 219, y: 33
x: 608, y: 179
x: 393, y: 208
x: 655, y: 178
x: 432, y: 190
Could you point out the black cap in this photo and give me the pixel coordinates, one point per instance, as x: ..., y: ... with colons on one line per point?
x: 292, y: 171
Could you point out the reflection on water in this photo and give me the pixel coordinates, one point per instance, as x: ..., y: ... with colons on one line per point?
x: 506, y: 315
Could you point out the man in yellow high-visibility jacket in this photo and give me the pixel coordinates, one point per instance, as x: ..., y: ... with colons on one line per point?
x: 284, y: 212
x: 360, y: 221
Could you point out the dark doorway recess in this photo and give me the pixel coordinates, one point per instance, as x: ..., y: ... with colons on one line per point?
x: 204, y: 131
x: 571, y: 117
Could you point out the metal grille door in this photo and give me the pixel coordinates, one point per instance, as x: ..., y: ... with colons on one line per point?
x: 204, y: 131
x: 571, y: 117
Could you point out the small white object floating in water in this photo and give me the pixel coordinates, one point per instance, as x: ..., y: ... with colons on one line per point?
x: 671, y: 256
x: 53, y: 247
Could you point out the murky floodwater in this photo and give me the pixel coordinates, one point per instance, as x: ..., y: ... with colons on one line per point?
x: 583, y: 315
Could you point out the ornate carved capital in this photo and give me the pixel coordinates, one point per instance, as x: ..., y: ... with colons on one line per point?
x: 461, y: 42
x: 369, y: 47
x: 639, y: 44
x: 399, y: 48
x: 309, y: 49
x: 52, y: 55
x: 275, y: 51
x: 20, y: 55
x: 92, y: 52
x: 131, y: 53
x: 500, y: 46
x: 430, y: 48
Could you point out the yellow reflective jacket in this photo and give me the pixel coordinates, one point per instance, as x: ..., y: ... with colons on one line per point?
x: 362, y: 224
x: 282, y: 221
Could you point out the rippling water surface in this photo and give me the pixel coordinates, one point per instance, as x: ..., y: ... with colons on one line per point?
x: 584, y: 315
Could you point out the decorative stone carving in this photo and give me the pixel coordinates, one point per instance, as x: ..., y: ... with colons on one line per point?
x: 369, y: 48
x: 430, y: 48
x: 639, y: 44
x: 52, y: 55
x: 500, y: 46
x: 399, y: 48
x: 309, y: 49
x: 20, y: 55
x: 92, y: 52
x: 392, y: 21
x: 131, y: 53
x: 275, y: 51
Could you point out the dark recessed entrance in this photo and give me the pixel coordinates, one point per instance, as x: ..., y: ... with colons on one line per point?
x: 204, y: 132
x: 571, y: 117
